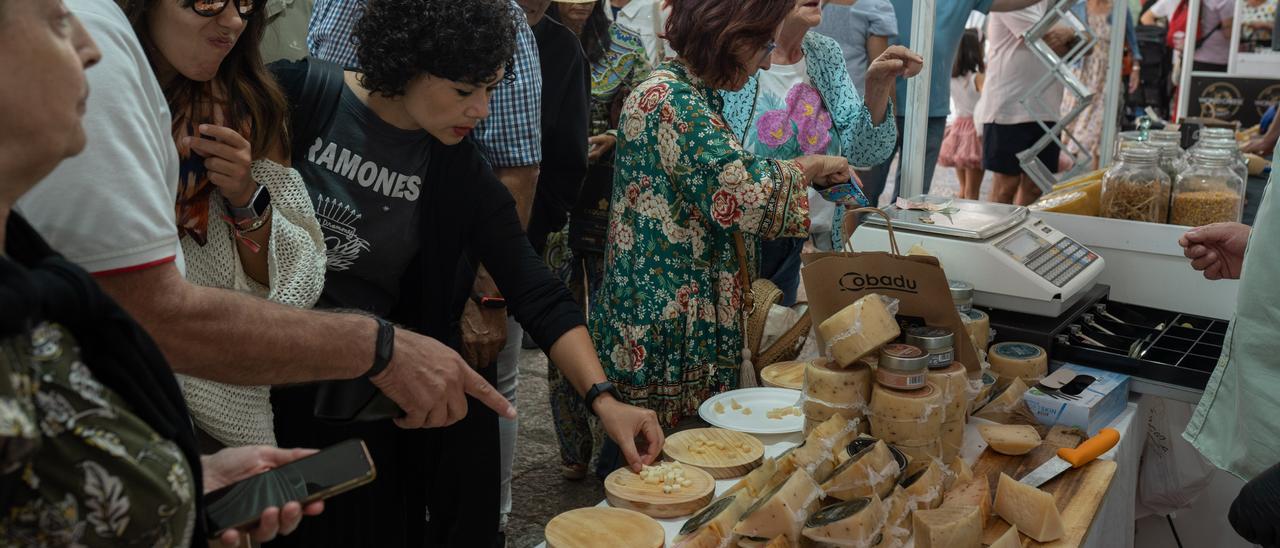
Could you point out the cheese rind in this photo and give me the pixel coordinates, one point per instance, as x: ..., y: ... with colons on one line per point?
x: 782, y: 512
x: 1010, y: 360
x: 947, y: 528
x: 858, y: 329
x: 827, y: 382
x: 855, y: 523
x: 1031, y: 510
x: 713, y: 525
x: 978, y: 324
x: 906, y: 417
x: 1009, y: 539
x: 872, y: 472
x: 1010, y: 439
x: 897, y: 524
x: 975, y: 492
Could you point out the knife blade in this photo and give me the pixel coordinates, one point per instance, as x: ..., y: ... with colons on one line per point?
x: 1073, y: 458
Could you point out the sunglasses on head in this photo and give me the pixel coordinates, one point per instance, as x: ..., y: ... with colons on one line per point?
x: 211, y: 8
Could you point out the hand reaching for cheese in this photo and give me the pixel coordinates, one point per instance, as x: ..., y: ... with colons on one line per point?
x: 626, y: 424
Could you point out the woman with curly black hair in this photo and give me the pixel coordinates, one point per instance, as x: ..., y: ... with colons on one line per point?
x: 408, y: 205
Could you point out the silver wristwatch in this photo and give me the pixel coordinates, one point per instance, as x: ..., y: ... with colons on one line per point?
x: 256, y: 208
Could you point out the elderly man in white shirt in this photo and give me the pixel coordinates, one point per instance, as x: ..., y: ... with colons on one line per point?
x: 648, y: 18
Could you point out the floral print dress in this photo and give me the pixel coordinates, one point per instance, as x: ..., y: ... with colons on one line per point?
x: 667, y: 319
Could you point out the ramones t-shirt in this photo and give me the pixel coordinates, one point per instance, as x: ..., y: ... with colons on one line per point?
x: 365, y: 178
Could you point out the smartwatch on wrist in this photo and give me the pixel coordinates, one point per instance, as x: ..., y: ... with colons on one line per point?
x: 383, y: 348
x: 256, y: 208
x: 596, y: 390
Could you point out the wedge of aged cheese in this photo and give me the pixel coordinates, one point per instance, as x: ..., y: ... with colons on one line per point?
x: 971, y: 493
x: 1031, y: 510
x: 1009, y: 539
x: 897, y: 524
x: 854, y: 524
x: 859, y: 329
x: 815, y: 458
x: 906, y: 417
x: 1010, y: 439
x: 1006, y: 401
x: 834, y: 435
x: 755, y: 482
x: 713, y: 525
x: 952, y: 439
x: 779, y: 541
x: 947, y: 528
x: 782, y: 511
x: 978, y: 324
x: 871, y: 471
x: 920, y: 457
x: 924, y: 488
x: 830, y: 389
x: 956, y: 473
x: 1010, y: 360
x: 953, y: 380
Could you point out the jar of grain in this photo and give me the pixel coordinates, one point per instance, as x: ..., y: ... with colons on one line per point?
x: 1209, y: 191
x: 1135, y: 188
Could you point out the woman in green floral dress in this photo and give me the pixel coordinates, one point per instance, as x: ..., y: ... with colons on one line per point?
x: 667, y: 320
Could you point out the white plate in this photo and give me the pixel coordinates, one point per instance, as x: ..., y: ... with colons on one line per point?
x: 760, y: 401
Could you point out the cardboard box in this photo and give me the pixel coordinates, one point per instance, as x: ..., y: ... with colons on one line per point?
x: 1086, y: 398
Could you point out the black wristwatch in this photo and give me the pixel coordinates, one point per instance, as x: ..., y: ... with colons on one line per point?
x: 256, y: 207
x: 596, y: 390
x: 383, y: 349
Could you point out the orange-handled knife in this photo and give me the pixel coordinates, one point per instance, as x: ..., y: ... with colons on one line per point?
x: 1091, y: 449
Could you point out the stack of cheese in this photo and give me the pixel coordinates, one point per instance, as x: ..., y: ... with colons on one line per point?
x: 858, y: 330
x: 831, y: 390
x: 954, y: 383
x: 910, y: 420
x: 1017, y: 360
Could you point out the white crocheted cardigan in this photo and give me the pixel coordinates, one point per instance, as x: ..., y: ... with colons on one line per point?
x: 241, y: 415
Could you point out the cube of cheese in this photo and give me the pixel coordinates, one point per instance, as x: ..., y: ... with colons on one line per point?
x: 1010, y: 539
x: 1029, y: 509
x: 952, y: 527
x: 859, y: 329
x: 1010, y: 439
x: 976, y: 493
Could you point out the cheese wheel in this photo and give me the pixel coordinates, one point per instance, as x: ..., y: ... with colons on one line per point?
x: 855, y: 523
x: 1029, y: 509
x: 871, y: 471
x: 906, y: 417
x: 836, y: 386
x: 975, y: 493
x: 920, y: 456
x: 924, y: 488
x: 954, y: 382
x: 897, y: 523
x: 714, y: 524
x: 1009, y: 539
x: 859, y: 329
x: 1011, y: 360
x: 947, y: 528
x: 978, y: 324
x: 1010, y: 439
x: 952, y: 439
x: 783, y: 511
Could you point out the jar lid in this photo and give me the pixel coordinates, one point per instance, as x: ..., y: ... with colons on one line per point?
x: 1219, y: 153
x: 1163, y: 136
x: 1217, y: 133
x: 961, y: 290
x: 1139, y: 152
x: 930, y: 338
x: 903, y: 357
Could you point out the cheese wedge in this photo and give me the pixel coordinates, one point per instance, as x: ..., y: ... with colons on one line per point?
x: 897, y: 524
x: 1006, y: 401
x: 814, y: 458
x: 713, y: 525
x: 754, y: 483
x: 975, y: 493
x: 952, y: 439
x: 920, y: 457
x: 1010, y: 439
x: 947, y: 528
x: 834, y: 435
x: 871, y: 471
x: 953, y: 380
x: 779, y: 541
x: 924, y: 488
x: 1009, y: 539
x: 978, y: 324
x: 906, y: 417
x: 1029, y: 509
x: 854, y: 524
x: 1010, y: 360
x: 859, y: 329
x: 957, y: 472
x: 782, y: 511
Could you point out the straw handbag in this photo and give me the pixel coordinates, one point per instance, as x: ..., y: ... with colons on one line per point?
x: 757, y: 303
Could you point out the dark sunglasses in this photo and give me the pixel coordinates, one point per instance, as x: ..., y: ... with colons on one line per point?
x: 211, y: 8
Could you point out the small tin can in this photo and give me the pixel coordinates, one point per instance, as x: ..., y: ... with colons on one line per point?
x: 903, y: 358
x: 961, y: 294
x: 901, y: 380
x: 938, y: 342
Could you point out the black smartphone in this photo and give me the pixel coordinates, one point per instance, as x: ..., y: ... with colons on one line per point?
x: 335, y: 470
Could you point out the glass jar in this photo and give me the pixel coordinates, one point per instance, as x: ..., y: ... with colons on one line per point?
x: 1226, y: 139
x: 1173, y: 161
x: 1209, y: 191
x: 1135, y: 188
x: 1125, y: 139
x: 961, y: 295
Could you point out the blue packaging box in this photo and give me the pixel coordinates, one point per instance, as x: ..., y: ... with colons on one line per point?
x: 1080, y: 397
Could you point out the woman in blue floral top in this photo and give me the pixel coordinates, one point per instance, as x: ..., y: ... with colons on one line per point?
x: 806, y: 103
x: 686, y: 197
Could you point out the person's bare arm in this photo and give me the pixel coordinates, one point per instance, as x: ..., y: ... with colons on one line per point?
x: 522, y: 182
x: 1148, y: 18
x: 876, y: 45
x: 1012, y: 5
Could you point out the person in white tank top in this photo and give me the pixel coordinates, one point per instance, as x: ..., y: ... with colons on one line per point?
x: 961, y: 146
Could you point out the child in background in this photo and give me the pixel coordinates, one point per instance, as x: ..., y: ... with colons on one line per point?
x: 961, y: 147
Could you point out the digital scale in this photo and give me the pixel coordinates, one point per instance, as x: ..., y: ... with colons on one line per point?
x: 1015, y: 261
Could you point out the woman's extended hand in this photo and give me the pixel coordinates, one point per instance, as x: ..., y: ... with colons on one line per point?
x: 894, y: 62
x: 237, y: 463
x: 626, y: 424
x: 823, y: 171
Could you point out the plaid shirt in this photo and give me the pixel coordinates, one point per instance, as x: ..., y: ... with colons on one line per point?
x: 512, y: 134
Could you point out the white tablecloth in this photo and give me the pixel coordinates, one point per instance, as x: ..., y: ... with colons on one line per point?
x: 1115, y: 515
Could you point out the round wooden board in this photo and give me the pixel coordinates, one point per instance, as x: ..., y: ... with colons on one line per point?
x: 626, y: 489
x: 784, y: 375
x: 604, y: 528
x: 730, y: 462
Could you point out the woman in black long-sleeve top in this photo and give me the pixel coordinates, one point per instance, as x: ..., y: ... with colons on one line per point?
x: 404, y: 199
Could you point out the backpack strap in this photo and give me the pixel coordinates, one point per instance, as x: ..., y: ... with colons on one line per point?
x: 313, y: 97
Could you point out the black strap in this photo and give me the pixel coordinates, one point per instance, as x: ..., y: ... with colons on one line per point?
x: 313, y: 103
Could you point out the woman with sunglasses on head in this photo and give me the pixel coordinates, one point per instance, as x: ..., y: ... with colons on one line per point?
x: 98, y: 449
x: 244, y: 217
x: 689, y: 207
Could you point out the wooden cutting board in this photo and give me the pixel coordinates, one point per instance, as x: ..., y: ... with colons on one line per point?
x: 1078, y: 492
x: 784, y: 375
x: 604, y: 528
x: 724, y: 453
x: 626, y: 489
